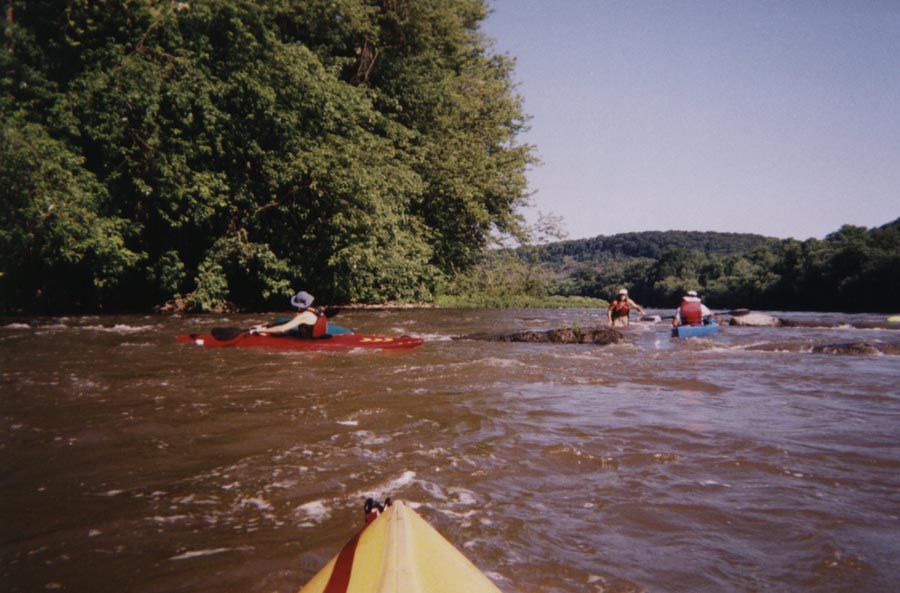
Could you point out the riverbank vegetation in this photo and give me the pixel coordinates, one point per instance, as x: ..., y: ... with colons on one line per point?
x: 853, y: 269
x: 227, y: 153
x: 237, y: 150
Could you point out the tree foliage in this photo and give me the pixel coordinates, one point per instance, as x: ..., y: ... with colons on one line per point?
x: 237, y: 149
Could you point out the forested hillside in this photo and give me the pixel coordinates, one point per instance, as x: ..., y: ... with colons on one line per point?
x: 852, y: 269
x: 649, y: 244
x: 235, y: 150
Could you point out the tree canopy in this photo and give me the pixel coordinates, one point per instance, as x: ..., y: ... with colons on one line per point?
x: 235, y: 150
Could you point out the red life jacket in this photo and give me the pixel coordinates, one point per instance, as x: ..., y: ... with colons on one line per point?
x: 317, y: 330
x: 620, y: 309
x: 691, y: 312
x: 321, y: 327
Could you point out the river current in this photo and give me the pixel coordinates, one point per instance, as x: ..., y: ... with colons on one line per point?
x: 745, y: 462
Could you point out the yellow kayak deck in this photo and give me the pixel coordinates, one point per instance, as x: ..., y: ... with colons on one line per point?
x: 399, y: 552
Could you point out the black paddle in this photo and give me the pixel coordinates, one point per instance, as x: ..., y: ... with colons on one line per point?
x: 226, y: 334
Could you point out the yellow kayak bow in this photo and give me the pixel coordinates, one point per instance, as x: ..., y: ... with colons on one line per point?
x: 399, y: 552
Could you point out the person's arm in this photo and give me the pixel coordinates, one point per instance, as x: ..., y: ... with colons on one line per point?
x: 304, y: 318
x: 676, y: 321
x: 609, y: 313
x: 638, y: 307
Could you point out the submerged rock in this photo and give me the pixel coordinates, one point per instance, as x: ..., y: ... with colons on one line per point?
x: 858, y: 349
x: 567, y: 335
x: 806, y: 323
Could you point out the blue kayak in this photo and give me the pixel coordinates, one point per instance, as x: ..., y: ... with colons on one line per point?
x: 695, y: 331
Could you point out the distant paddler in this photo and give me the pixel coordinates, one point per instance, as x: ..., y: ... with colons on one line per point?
x: 617, y: 313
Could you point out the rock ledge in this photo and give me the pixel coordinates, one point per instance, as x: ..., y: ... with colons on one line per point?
x: 567, y: 335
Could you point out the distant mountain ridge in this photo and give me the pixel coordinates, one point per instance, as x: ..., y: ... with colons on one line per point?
x: 852, y: 269
x: 649, y: 244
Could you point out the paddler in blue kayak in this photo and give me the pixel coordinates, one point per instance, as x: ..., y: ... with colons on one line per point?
x: 692, y: 311
x: 309, y: 322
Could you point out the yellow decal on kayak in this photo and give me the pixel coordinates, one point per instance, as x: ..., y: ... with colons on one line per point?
x: 378, y: 340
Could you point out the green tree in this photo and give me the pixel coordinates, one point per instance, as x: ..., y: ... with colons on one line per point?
x: 362, y: 149
x: 58, y: 253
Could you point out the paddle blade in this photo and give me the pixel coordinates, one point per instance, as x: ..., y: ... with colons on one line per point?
x: 226, y: 334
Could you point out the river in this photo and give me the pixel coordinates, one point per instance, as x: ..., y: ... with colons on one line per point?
x: 743, y: 462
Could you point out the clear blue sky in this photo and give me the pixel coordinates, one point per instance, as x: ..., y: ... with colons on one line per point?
x: 777, y: 117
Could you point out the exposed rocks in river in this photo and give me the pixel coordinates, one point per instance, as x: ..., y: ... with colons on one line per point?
x: 756, y: 320
x: 567, y: 335
x: 752, y: 319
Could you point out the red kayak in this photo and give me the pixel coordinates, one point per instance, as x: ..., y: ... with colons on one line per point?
x: 345, y: 341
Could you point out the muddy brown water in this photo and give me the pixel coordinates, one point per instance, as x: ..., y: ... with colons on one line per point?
x: 744, y: 462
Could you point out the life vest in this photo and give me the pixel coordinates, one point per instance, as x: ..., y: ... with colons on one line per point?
x: 317, y: 330
x: 321, y: 326
x: 620, y: 309
x: 691, y: 312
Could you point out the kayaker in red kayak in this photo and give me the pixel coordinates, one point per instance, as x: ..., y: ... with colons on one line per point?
x: 692, y: 311
x: 309, y: 322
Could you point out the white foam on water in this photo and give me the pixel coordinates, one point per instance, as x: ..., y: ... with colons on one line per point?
x: 17, y: 326
x: 390, y: 487
x: 406, y: 478
x: 464, y: 496
x: 369, y: 438
x: 495, y: 576
x: 348, y: 422
x: 43, y: 329
x: 119, y: 328
x: 433, y: 489
x: 462, y: 517
x: 199, y: 553
x: 256, y: 501
x: 314, y: 512
x: 282, y: 485
x: 169, y: 519
x: 713, y: 483
x: 435, y: 337
x: 503, y: 363
x: 193, y: 499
